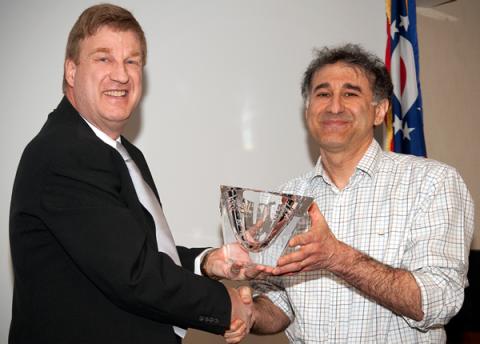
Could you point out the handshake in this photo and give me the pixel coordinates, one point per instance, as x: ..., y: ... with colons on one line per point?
x: 243, y: 315
x: 217, y: 265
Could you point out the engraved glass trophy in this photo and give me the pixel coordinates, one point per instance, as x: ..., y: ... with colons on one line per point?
x: 262, y: 222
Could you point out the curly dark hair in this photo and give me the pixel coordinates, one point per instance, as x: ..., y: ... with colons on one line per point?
x: 354, y: 55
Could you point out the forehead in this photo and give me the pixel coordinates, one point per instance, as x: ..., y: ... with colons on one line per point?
x: 110, y: 38
x: 339, y: 74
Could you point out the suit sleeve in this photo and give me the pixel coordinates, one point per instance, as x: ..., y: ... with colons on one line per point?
x: 85, y: 208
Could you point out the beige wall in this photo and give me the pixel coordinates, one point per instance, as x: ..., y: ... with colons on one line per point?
x: 449, y: 44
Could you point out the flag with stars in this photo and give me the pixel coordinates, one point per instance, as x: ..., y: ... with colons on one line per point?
x: 404, y: 121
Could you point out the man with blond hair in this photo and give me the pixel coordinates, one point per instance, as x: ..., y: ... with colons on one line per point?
x: 94, y: 260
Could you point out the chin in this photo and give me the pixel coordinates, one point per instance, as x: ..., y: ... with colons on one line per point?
x: 331, y: 144
x: 331, y: 140
x: 121, y: 118
x: 118, y: 114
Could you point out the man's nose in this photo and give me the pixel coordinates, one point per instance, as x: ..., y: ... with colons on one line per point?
x: 119, y: 73
x: 335, y: 104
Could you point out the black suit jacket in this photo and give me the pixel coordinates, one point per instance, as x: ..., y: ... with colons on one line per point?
x: 86, y: 266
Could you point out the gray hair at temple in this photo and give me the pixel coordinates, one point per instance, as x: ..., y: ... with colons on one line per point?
x: 357, y: 57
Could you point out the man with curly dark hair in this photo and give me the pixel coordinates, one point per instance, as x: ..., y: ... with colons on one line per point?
x: 386, y: 257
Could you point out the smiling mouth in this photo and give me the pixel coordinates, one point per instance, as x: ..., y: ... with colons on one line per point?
x: 335, y: 122
x: 116, y: 93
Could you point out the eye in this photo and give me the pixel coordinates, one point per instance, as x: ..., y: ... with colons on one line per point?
x: 134, y: 62
x: 322, y: 94
x: 102, y: 59
x: 350, y: 94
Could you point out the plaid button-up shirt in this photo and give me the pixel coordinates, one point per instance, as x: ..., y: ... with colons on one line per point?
x: 407, y: 212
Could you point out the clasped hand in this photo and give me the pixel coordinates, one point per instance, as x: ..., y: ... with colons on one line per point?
x: 242, y: 318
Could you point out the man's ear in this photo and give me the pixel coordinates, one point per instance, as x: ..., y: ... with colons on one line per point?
x: 70, y: 70
x: 381, y: 110
x: 306, y: 105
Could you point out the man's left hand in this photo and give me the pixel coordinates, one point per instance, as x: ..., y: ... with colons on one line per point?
x: 232, y: 262
x: 315, y: 248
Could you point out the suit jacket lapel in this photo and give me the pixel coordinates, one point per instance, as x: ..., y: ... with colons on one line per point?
x: 101, y: 151
x: 142, y: 165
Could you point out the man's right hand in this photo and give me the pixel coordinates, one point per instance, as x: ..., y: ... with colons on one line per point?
x: 242, y: 314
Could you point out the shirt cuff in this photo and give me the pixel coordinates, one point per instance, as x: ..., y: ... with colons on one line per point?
x: 436, y: 306
x: 198, y: 261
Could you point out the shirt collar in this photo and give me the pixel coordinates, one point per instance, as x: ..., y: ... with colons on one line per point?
x: 367, y: 164
x: 102, y: 136
x: 371, y: 158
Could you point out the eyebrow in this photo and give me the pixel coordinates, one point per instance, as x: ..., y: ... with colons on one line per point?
x: 350, y: 86
x: 99, y: 50
x: 107, y: 51
x: 319, y: 86
x: 136, y: 54
x: 347, y: 86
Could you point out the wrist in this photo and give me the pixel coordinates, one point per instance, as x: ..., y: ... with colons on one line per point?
x: 255, y: 316
x: 342, y: 257
x: 205, y: 267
